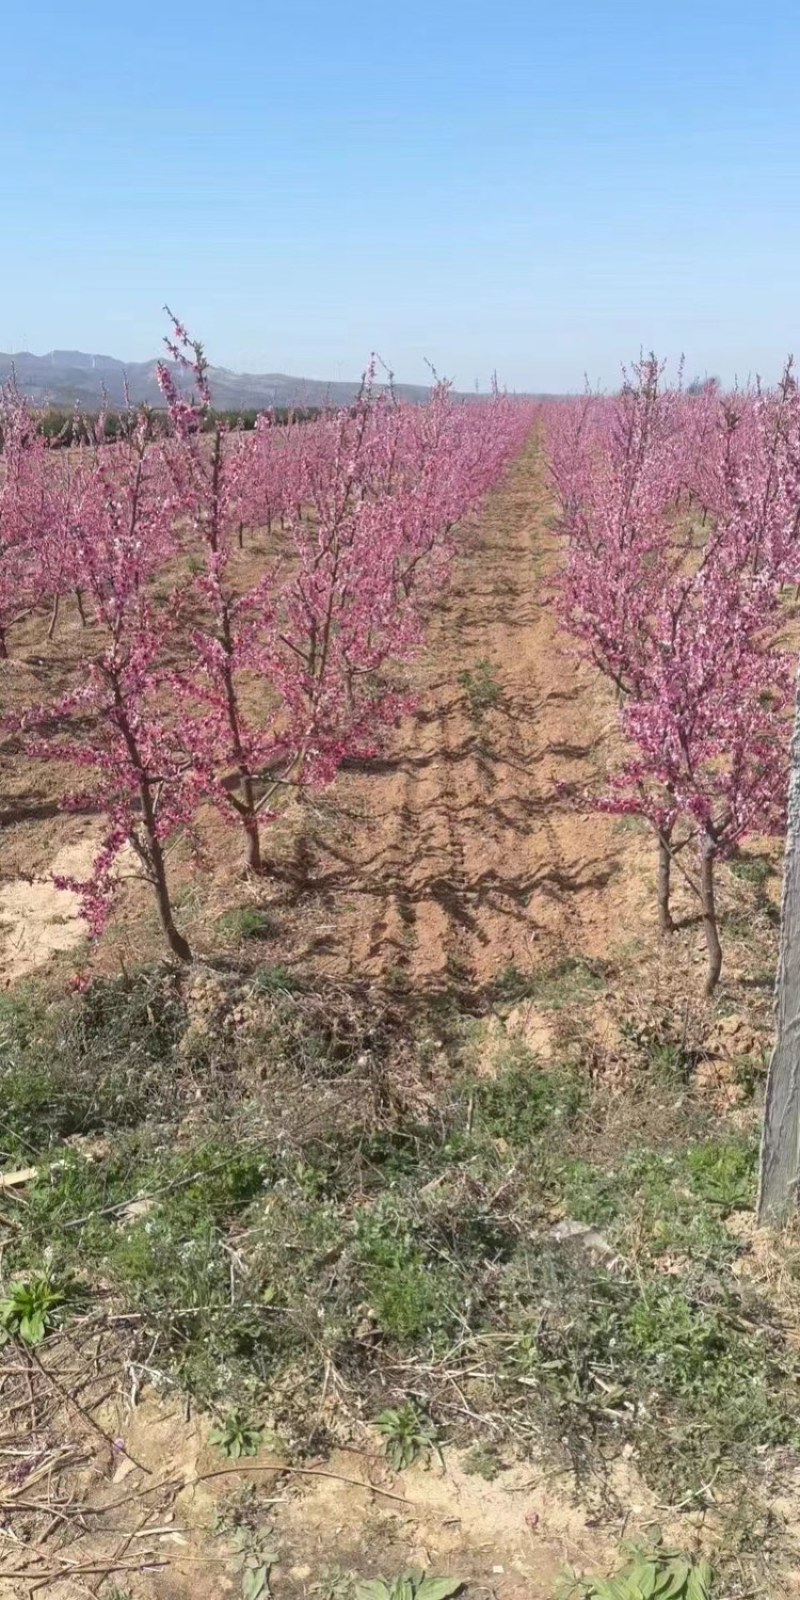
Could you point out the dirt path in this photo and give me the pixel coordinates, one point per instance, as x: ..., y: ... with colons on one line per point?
x: 457, y: 854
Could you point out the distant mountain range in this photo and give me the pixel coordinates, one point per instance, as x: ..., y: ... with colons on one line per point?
x: 69, y: 377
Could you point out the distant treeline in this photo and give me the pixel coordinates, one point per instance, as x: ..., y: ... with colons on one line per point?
x: 76, y: 427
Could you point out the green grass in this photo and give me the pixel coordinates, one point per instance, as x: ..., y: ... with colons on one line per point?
x: 571, y: 982
x: 333, y: 1187
x: 481, y: 687
x: 753, y: 869
x: 246, y: 922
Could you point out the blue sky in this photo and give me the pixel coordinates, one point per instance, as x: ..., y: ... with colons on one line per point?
x: 543, y: 189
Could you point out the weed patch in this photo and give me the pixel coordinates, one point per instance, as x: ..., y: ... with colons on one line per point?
x: 573, y: 981
x: 36, y: 1307
x: 80, y: 1065
x: 481, y: 687
x: 523, y: 1100
x: 247, y: 922
x: 657, y: 1573
x: 345, y: 1195
x: 407, y: 1436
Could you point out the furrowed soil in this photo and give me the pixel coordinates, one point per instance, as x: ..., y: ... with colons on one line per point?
x: 464, y: 855
x: 456, y: 872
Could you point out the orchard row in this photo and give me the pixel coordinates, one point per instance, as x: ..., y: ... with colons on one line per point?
x: 247, y: 598
x: 681, y: 519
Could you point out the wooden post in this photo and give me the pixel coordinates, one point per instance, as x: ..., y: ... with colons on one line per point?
x: 780, y: 1141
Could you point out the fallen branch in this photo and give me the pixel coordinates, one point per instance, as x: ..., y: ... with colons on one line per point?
x: 84, y: 1570
x: 303, y: 1472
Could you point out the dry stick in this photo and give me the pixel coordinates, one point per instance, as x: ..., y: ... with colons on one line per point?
x: 103, y: 1569
x: 177, y: 1485
x: 31, y: 1396
x: 151, y: 1194
x: 174, y: 1485
x: 303, y: 1472
x: 121, y: 1550
x: 8, y: 1507
x: 70, y: 1398
x: 56, y: 1517
x: 85, y: 1569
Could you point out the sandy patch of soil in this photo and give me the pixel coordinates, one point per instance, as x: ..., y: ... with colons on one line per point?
x: 37, y: 919
x: 156, y: 1522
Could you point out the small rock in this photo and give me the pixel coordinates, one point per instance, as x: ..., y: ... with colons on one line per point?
x: 136, y: 1209
x: 580, y: 1232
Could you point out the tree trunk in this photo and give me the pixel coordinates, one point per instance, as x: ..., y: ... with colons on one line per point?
x: 152, y: 855
x: 178, y: 945
x: 81, y: 612
x: 251, y: 828
x: 53, y: 618
x: 780, y: 1141
x: 665, y: 922
x: 709, y: 910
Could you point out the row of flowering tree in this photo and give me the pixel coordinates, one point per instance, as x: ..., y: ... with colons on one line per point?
x: 219, y: 665
x: 681, y: 519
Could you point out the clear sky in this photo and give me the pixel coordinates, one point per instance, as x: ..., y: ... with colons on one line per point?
x: 540, y: 188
